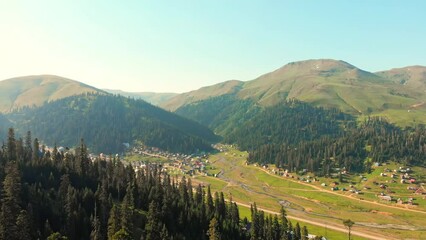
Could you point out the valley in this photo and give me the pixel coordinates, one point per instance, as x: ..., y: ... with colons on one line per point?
x: 247, y: 184
x: 322, y: 138
x: 212, y: 120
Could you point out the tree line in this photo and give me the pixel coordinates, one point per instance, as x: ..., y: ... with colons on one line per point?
x: 49, y: 194
x: 374, y: 140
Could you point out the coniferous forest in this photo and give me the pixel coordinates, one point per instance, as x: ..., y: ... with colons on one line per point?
x: 55, y: 195
x: 107, y: 121
x: 296, y: 135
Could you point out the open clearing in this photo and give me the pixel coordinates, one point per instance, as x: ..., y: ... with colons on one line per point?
x: 313, y: 203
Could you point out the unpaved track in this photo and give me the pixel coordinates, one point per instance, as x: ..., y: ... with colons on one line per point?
x: 325, y: 225
x: 357, y: 231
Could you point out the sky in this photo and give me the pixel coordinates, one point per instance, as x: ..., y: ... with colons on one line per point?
x: 178, y: 46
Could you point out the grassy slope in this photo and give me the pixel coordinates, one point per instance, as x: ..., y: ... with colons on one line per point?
x: 327, y: 83
x: 36, y: 90
x: 227, y: 87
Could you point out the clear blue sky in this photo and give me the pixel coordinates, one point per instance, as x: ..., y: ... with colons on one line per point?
x: 176, y: 46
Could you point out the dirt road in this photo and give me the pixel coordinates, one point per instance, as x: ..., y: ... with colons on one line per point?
x: 325, y: 225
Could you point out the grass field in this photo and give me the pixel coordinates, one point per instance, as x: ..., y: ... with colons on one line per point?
x: 249, y: 183
x: 143, y: 158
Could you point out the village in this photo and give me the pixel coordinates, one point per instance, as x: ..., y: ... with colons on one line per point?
x: 394, y: 185
x: 173, y: 163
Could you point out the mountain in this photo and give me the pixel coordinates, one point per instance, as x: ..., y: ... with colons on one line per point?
x: 228, y: 87
x: 37, y: 90
x: 105, y: 122
x: 326, y: 83
x: 151, y: 97
x: 413, y: 77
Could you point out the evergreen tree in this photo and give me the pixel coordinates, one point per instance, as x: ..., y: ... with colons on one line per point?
x: 284, y: 224
x: 11, y: 145
x: 297, y: 231
x: 10, y: 203
x: 153, y: 225
x: 113, y: 221
x: 305, y: 233
x: 96, y: 233
x: 24, y: 226
x: 36, y: 151
x: 213, y: 232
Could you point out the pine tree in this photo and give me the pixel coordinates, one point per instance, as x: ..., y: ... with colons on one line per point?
x: 153, y: 225
x: 305, y: 233
x: 113, y: 221
x: 36, y: 151
x: 10, y: 203
x: 11, y: 145
x: 24, y: 226
x: 28, y: 147
x: 127, y: 210
x: 210, y: 206
x: 96, y: 233
x: 284, y: 224
x: 297, y: 232
x: 276, y: 228
x: 213, y: 232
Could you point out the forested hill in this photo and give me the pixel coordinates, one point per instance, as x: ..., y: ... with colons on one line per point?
x: 106, y: 122
x: 374, y: 140
x: 249, y: 125
x: 297, y: 135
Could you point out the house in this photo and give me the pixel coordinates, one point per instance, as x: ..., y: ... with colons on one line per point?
x: 311, y: 236
x: 420, y: 191
x: 386, y: 198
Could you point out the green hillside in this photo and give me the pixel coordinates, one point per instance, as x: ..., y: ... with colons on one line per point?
x: 228, y: 87
x: 413, y: 77
x: 331, y: 84
x: 36, y: 90
x: 151, y: 97
x: 107, y: 121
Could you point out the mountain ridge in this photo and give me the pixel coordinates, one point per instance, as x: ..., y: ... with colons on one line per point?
x: 322, y: 82
x: 151, y: 97
x: 35, y: 90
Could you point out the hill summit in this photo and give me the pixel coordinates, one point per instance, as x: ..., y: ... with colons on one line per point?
x: 37, y: 90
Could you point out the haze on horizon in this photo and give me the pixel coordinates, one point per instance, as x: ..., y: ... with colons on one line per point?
x: 178, y: 46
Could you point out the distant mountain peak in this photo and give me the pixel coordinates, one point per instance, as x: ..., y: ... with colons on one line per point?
x: 413, y: 77
x: 315, y: 66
